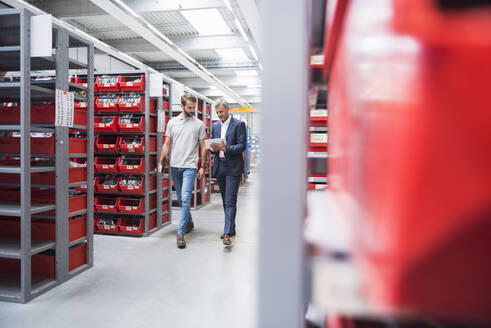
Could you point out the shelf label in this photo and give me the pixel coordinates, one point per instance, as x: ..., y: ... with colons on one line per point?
x: 105, y: 146
x: 130, y: 187
x: 129, y: 167
x: 128, y: 208
x: 104, y: 207
x: 64, y: 108
x: 106, y: 187
x: 129, y: 84
x: 107, y: 84
x: 105, y: 166
x: 318, y: 113
x: 318, y: 137
x: 107, y: 227
x: 129, y: 125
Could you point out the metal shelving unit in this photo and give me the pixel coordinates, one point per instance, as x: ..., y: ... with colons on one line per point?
x: 147, y: 154
x: 15, y: 57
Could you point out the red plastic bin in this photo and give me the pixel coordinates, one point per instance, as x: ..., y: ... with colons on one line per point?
x: 137, y: 125
x: 165, y: 104
x: 105, y: 204
x: 140, y: 189
x: 11, y: 145
x: 134, y: 165
x: 125, y: 226
x: 106, y: 87
x: 100, y: 187
x: 165, y: 218
x: 42, y: 229
x: 75, y: 175
x: 165, y: 183
x: 112, y: 126
x: 40, y: 114
x: 106, y: 164
x: 127, y: 83
x: 77, y: 256
x: 75, y: 202
x: 110, y: 108
x: 80, y: 105
x: 106, y: 227
x: 138, y: 107
x: 165, y: 207
x: 135, y: 205
x: 139, y: 148
x: 107, y: 144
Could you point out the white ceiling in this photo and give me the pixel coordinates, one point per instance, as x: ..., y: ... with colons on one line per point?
x: 167, y: 18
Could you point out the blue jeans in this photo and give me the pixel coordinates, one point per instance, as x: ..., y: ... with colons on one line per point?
x: 184, y: 183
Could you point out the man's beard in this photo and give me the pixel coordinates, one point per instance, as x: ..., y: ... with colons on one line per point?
x: 188, y: 114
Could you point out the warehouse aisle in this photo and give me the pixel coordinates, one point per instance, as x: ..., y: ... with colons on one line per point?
x: 148, y: 282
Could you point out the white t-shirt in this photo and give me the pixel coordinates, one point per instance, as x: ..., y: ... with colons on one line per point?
x: 185, y: 133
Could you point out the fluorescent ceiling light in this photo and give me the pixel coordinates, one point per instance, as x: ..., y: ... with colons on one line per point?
x: 207, y: 21
x: 253, y: 53
x: 241, y: 29
x: 232, y: 54
x: 246, y: 73
x: 255, y: 86
x: 227, y: 3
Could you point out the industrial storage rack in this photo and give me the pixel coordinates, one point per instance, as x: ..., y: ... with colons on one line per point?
x: 202, y: 189
x: 147, y: 154
x: 164, y: 115
x: 15, y: 57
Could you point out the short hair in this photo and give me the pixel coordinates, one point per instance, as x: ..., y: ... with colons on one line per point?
x: 222, y: 102
x: 188, y: 97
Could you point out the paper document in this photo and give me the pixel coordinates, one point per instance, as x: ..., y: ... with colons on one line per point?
x: 208, y: 142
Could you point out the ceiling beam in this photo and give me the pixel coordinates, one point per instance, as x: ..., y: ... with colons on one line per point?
x: 211, y: 92
x: 250, y: 100
x: 233, y: 81
x: 251, y: 14
x: 69, y: 9
x: 186, y: 43
x: 132, y: 23
x: 215, y: 65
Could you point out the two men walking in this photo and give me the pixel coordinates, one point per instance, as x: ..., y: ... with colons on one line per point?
x: 184, y: 134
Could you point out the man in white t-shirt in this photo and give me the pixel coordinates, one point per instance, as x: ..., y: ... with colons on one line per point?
x: 184, y: 133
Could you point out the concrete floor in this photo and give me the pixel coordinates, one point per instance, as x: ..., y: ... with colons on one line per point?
x: 148, y: 282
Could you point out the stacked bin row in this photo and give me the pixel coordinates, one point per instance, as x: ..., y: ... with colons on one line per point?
x: 122, y: 107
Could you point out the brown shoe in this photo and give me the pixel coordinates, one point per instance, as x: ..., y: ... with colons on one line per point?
x: 189, y: 227
x: 181, y: 243
x: 226, y: 240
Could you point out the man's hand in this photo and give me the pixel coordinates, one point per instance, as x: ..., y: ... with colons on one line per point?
x: 160, y: 168
x: 201, y: 172
x: 218, y: 146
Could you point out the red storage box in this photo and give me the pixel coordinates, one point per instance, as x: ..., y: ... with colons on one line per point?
x: 134, y: 165
x: 107, y: 144
x: 137, y: 148
x: 128, y: 225
x: 165, y: 104
x: 75, y: 203
x: 134, y: 205
x: 101, y: 107
x: 40, y: 114
x: 100, y: 187
x: 11, y: 145
x: 106, y: 164
x: 138, y: 107
x: 137, y: 125
x: 105, y: 204
x: 165, y: 193
x: 80, y: 81
x: 318, y: 139
x: 165, y: 207
x: 134, y: 83
x: 77, y: 256
x: 112, y: 126
x: 140, y: 189
x: 106, y: 227
x: 42, y: 229
x: 10, y: 227
x: 80, y: 105
x: 106, y: 87
x: 165, y: 218
x: 165, y: 183
x: 75, y: 175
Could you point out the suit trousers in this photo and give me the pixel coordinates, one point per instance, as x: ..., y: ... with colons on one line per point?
x: 229, y: 188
